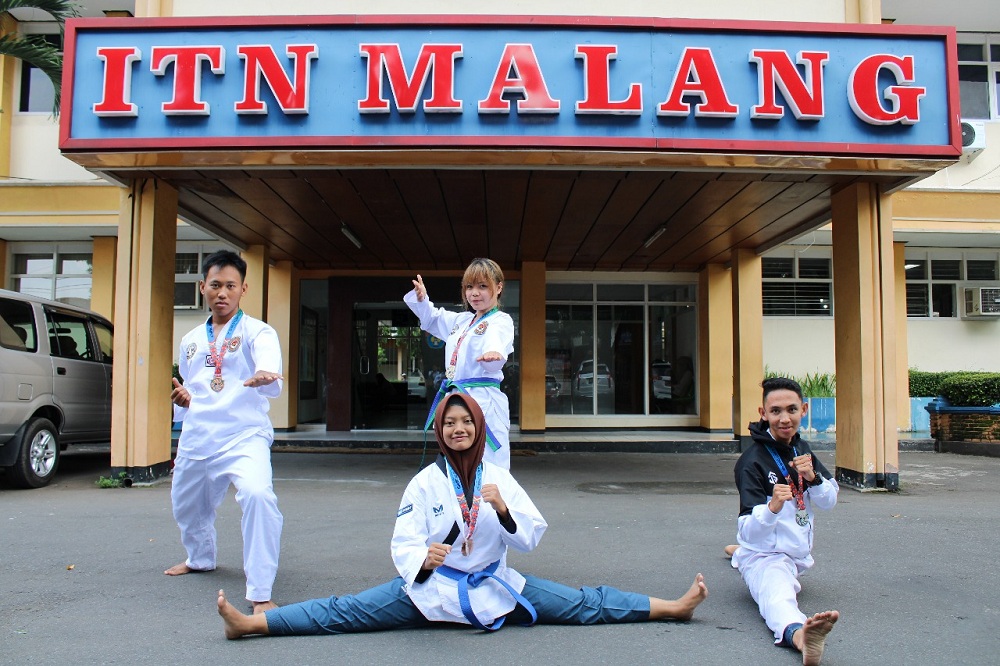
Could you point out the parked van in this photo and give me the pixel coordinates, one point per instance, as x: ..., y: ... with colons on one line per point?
x: 55, y: 384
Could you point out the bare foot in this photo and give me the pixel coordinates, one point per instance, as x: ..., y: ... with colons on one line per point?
x: 696, y: 594
x: 681, y: 609
x: 236, y: 624
x: 730, y: 549
x: 813, y: 636
x: 263, y: 606
x: 181, y: 569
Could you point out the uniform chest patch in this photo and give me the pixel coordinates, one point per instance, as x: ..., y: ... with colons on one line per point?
x: 190, y: 351
x: 234, y: 343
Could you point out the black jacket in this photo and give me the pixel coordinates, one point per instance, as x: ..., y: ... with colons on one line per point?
x: 756, y: 471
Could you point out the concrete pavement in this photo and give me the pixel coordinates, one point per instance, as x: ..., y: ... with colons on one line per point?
x: 913, y: 573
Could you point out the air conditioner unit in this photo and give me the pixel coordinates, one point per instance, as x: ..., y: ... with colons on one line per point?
x: 973, y: 138
x: 982, y: 302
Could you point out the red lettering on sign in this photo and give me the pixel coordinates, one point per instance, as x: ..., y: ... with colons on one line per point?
x: 775, y: 71
x: 262, y: 62
x: 519, y: 72
x: 435, y: 60
x: 597, y: 83
x: 697, y: 74
x: 187, y: 75
x: 904, y: 100
x: 115, y: 100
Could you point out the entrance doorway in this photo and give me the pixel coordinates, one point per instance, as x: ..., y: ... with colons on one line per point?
x: 396, y: 371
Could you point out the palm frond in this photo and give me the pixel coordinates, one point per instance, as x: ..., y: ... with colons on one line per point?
x: 38, y: 53
x: 59, y: 9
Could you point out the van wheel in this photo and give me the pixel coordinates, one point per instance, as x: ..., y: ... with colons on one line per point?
x: 38, y: 458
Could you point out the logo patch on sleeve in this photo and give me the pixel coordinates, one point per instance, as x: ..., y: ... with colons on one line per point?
x: 403, y: 510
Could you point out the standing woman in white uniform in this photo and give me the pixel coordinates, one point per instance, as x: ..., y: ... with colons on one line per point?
x: 477, y: 344
x: 453, y: 527
x: 231, y: 366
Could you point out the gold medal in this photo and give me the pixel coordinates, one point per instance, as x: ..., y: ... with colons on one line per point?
x: 218, y: 384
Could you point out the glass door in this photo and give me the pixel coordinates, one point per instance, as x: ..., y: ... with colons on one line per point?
x: 396, y: 368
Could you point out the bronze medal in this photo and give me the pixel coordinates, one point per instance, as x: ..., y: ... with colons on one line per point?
x: 218, y: 384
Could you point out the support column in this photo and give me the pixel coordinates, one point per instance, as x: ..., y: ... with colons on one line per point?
x: 254, y: 302
x: 748, y: 345
x: 154, y: 8
x: 904, y: 418
x: 865, y: 326
x: 715, y: 351
x: 102, y: 277
x: 144, y: 314
x: 7, y: 63
x: 532, y: 343
x: 283, y: 315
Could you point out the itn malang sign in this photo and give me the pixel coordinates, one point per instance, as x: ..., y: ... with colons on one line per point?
x: 509, y: 82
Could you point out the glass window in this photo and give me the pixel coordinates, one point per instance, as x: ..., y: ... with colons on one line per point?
x: 105, y: 341
x: 37, y: 92
x: 621, y: 292
x: 971, y: 52
x: 17, y: 326
x: 917, y: 303
x: 974, y: 91
x: 68, y: 336
x: 569, y: 292
x: 186, y: 263
x: 943, y: 299
x: 797, y: 286
x: 609, y: 358
x: 938, y: 292
x: 946, y: 269
x: 62, y: 276
x: 979, y: 76
x: 981, y: 269
x: 777, y: 267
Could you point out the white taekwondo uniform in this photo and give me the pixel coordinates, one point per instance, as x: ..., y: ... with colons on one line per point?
x: 492, y: 333
x: 226, y: 438
x: 427, y: 513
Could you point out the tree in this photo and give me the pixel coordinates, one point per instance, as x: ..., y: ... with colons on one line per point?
x: 34, y: 49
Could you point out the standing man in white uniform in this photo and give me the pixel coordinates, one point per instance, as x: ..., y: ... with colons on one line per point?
x: 477, y: 344
x: 231, y: 365
x: 780, y: 481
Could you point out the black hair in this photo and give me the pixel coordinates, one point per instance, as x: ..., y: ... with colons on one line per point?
x: 781, y: 384
x: 222, y: 259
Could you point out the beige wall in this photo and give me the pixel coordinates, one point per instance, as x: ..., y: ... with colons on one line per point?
x: 34, y: 151
x: 980, y: 173
x: 833, y: 11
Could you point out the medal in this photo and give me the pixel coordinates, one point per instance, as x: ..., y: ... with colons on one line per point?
x: 469, y: 515
x: 216, y: 356
x: 798, y: 489
x: 480, y: 329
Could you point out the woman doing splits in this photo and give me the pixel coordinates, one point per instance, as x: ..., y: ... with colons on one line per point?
x: 455, y: 522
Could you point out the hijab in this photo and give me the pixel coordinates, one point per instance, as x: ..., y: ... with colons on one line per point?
x: 463, y: 462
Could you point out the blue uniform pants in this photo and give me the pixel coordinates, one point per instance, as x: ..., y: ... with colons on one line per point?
x: 388, y: 607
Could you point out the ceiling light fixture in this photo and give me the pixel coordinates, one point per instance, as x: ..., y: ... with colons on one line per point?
x: 350, y: 235
x: 652, y: 239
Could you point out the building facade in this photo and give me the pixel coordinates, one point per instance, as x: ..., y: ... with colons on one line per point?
x: 653, y: 276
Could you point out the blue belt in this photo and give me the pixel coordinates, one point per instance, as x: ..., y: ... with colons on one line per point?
x: 463, y: 385
x: 466, y: 580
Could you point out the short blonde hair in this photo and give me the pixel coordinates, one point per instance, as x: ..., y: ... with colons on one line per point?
x: 482, y: 270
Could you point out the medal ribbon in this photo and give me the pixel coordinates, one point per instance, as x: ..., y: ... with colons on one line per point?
x: 798, y: 490
x: 469, y: 516
x: 217, y: 356
x: 458, y: 345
